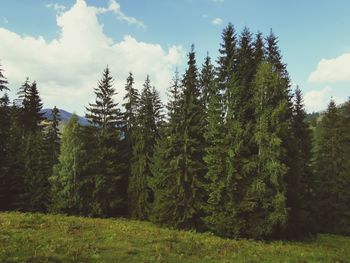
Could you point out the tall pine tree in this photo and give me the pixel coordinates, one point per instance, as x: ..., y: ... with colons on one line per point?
x: 109, y: 169
x: 140, y: 195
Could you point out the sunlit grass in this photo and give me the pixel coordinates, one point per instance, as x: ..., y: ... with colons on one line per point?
x: 54, y: 238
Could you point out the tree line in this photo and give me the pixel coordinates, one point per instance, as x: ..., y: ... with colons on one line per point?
x: 230, y: 152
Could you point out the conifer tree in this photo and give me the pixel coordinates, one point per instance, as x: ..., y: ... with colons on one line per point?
x: 131, y: 104
x: 182, y: 164
x: 109, y: 169
x: 332, y: 180
x: 299, y: 186
x: 32, y: 153
x: 174, y: 102
x: 206, y: 81
x: 30, y: 104
x: 3, y: 81
x: 67, y: 180
x: 258, y: 46
x: 226, y: 63
x: 140, y: 195
x: 53, y: 137
x: 220, y: 209
x: 268, y: 213
x: 6, y: 180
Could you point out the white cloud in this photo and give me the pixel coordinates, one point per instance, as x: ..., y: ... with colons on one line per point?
x: 114, y: 6
x: 332, y: 70
x: 217, y: 21
x: 68, y: 68
x: 59, y: 8
x: 316, y: 100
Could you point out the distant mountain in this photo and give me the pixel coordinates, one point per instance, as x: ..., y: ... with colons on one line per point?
x: 64, y: 115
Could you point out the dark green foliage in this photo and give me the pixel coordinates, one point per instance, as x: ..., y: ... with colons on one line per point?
x: 206, y: 82
x: 68, y: 176
x: 109, y: 172
x: 331, y: 171
x: 53, y: 138
x: 6, y: 180
x: 3, y: 81
x: 220, y: 209
x: 179, y: 169
x: 36, y: 172
x: 299, y: 185
x: 268, y: 213
x: 31, y: 105
x: 131, y: 104
x: 149, y: 120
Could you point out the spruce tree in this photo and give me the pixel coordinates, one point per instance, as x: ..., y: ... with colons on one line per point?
x: 140, y: 196
x: 109, y: 169
x: 267, y: 192
x: 3, y: 81
x: 343, y: 204
x: 331, y: 175
x: 131, y: 104
x: 299, y: 186
x: 220, y: 207
x: 6, y: 180
x: 53, y: 137
x: 206, y: 81
x: 32, y: 152
x: 178, y: 201
x: 68, y: 177
x: 226, y: 63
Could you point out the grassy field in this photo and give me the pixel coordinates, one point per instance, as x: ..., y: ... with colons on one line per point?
x: 54, y: 238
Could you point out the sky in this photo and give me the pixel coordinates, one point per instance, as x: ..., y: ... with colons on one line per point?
x: 64, y: 45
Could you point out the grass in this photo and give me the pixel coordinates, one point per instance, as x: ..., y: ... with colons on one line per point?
x: 54, y: 238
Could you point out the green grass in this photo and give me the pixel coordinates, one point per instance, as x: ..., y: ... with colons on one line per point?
x: 54, y: 238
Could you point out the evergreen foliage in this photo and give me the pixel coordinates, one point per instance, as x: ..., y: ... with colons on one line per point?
x: 108, y: 169
x: 68, y: 174
x: 149, y: 119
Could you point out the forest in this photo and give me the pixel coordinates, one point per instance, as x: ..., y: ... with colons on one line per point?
x: 230, y: 152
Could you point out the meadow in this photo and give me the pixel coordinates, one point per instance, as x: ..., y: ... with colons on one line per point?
x: 35, y: 237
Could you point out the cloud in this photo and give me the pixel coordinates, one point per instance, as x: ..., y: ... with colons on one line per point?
x: 68, y: 68
x: 59, y: 8
x: 332, y: 70
x: 217, y: 21
x: 316, y: 100
x: 114, y: 6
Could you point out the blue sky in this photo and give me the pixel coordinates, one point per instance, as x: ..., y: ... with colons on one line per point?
x: 314, y: 38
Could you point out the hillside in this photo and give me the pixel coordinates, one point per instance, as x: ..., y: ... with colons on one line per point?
x: 55, y: 238
x: 64, y: 115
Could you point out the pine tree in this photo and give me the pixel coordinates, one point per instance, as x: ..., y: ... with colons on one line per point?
x: 32, y: 153
x: 206, y: 81
x: 109, y: 170
x: 3, y: 81
x: 30, y: 104
x: 183, y: 163
x: 299, y: 186
x: 258, y: 50
x: 332, y: 180
x: 268, y: 213
x: 343, y: 204
x: 53, y: 137
x: 226, y: 63
x: 131, y: 99
x: 220, y: 209
x: 149, y: 120
x: 6, y: 180
x: 68, y: 179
